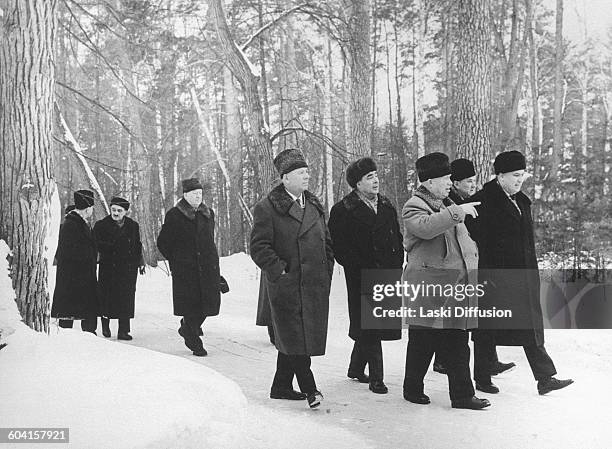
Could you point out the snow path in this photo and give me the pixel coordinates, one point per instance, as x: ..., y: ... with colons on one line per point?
x: 577, y: 417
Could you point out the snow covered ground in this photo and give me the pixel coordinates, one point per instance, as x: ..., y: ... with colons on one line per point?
x: 151, y: 392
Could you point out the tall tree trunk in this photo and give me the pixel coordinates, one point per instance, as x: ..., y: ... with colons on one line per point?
x: 360, y: 78
x: 558, y: 99
x: 27, y: 77
x: 418, y: 75
x: 243, y: 70
x: 234, y: 154
x: 472, y: 101
x: 328, y: 126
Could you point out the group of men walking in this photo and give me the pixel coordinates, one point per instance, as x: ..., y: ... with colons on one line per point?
x: 449, y: 235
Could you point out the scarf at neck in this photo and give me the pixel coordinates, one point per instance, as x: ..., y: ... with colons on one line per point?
x: 433, y: 201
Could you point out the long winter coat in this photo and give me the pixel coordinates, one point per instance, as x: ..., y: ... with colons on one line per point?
x: 75, y: 287
x: 508, y: 263
x: 187, y: 241
x: 120, y: 252
x: 292, y: 247
x: 439, y: 251
x: 363, y: 239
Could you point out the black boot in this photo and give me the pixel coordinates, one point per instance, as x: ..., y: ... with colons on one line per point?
x: 105, y: 327
x: 472, y: 403
x: 550, y: 384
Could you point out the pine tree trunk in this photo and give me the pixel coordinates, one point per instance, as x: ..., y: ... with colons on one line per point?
x: 558, y: 99
x: 472, y: 115
x: 27, y: 77
x: 360, y: 77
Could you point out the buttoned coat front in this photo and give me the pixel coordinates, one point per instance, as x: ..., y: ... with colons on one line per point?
x: 292, y: 247
x: 439, y: 254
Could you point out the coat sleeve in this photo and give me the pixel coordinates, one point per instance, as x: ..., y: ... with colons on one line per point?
x: 400, y: 239
x: 138, y: 253
x: 344, y: 249
x: 262, y: 243
x: 424, y: 225
x: 165, y: 239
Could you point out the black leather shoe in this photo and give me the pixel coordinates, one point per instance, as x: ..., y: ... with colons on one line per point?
x: 378, y: 387
x: 314, y: 399
x: 472, y: 403
x: 422, y: 398
x: 500, y: 367
x: 200, y: 352
x: 289, y: 394
x: 361, y: 377
x: 551, y: 384
x: 439, y: 368
x: 192, y: 342
x: 487, y: 388
x: 106, y: 329
x: 123, y: 336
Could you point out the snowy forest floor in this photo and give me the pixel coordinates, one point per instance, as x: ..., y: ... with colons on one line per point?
x: 577, y: 417
x: 117, y: 394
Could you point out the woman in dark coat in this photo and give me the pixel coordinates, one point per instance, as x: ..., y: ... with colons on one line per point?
x: 118, y: 241
x: 75, y: 296
x: 508, y: 266
x: 365, y: 234
x: 187, y: 241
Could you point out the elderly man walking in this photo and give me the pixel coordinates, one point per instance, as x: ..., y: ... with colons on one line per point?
x: 187, y: 241
x: 290, y: 243
x: 365, y: 235
x: 508, y: 264
x: 439, y: 253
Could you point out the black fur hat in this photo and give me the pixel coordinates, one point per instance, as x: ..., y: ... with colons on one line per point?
x: 462, y: 168
x: 118, y: 201
x: 289, y: 160
x: 83, y: 199
x: 432, y: 165
x: 358, y: 169
x: 509, y: 161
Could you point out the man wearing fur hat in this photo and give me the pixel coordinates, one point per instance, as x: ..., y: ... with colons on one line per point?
x: 75, y: 296
x: 290, y: 243
x: 120, y: 256
x: 463, y: 176
x: 439, y: 252
x: 365, y: 235
x: 508, y: 264
x: 187, y: 241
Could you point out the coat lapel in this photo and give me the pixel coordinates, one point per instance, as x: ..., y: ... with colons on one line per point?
x: 499, y: 197
x: 297, y: 212
x: 311, y: 217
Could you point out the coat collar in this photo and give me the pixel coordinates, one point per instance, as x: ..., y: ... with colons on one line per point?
x: 189, y: 212
x: 282, y: 201
x: 76, y: 218
x: 494, y: 193
x: 363, y: 212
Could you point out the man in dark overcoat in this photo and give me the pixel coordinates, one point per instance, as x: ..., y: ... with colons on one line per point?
x: 463, y: 177
x: 290, y: 243
x: 365, y: 235
x: 187, y: 241
x: 508, y: 265
x: 120, y: 256
x: 75, y: 295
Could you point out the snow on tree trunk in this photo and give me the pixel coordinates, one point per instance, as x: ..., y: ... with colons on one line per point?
x: 472, y: 96
x: 27, y: 77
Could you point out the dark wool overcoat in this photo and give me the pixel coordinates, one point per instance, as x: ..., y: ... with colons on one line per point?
x: 75, y: 286
x: 292, y: 247
x: 187, y: 241
x: 120, y: 252
x: 508, y: 265
x: 363, y: 239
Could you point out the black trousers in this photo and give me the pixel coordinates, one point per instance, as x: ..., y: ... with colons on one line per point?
x: 493, y: 357
x: 124, y: 324
x: 367, y: 352
x: 540, y: 362
x: 193, y: 323
x: 452, y: 344
x: 287, y: 366
x: 87, y: 324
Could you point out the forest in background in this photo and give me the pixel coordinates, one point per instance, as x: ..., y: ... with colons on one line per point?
x: 145, y: 93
